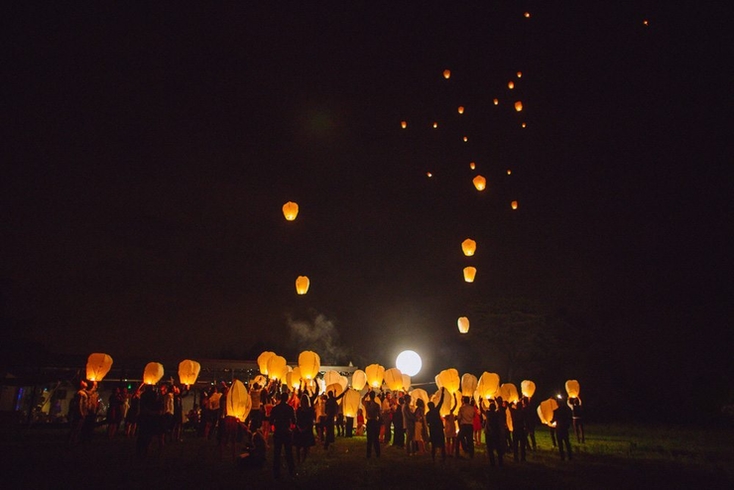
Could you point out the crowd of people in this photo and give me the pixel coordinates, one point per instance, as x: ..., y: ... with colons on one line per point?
x: 302, y: 419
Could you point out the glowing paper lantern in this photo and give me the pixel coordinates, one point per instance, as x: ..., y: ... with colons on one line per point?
x: 488, y: 385
x: 98, y: 365
x: 359, y: 379
x: 309, y: 363
x: 463, y: 324
x: 188, y: 372
x: 518, y: 106
x: 239, y: 402
x: 394, y: 379
x: 403, y: 124
x: 573, y: 388
x: 350, y: 403
x: 293, y: 378
x: 513, y: 204
x: 496, y: 101
x: 509, y: 172
x: 546, y: 409
x: 524, y: 125
x: 435, y: 125
x: 343, y: 382
x: 472, y: 165
x: 437, y: 379
x: 375, y: 374
x: 262, y: 361
x: 468, y: 246
x: 466, y: 138
x: 406, y: 382
x: 519, y: 74
x: 470, y: 273
x: 153, y: 373
x: 510, y: 84
x: 290, y: 210
x: 419, y: 393
x: 527, y: 388
x: 336, y: 388
x: 260, y: 380
x: 448, y: 401
x: 450, y: 380
x: 447, y: 74
x: 277, y: 367
x: 509, y: 393
x: 480, y: 182
x: 461, y: 109
x: 331, y: 377
x: 429, y: 174
x: 508, y: 418
x: 302, y: 284
x: 468, y: 383
x: 527, y: 15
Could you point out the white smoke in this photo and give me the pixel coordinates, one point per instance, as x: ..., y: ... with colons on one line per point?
x: 319, y: 335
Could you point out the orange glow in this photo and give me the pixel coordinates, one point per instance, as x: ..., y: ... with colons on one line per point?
x: 527, y: 15
x: 302, y: 284
x: 496, y: 101
x: 513, y: 204
x: 470, y: 273
x: 461, y: 109
x: 290, y: 210
x: 429, y: 174
x: 519, y: 74
x: 518, y: 106
x: 480, y: 182
x: 509, y: 172
x: 435, y: 125
x: 510, y: 84
x: 472, y: 165
x: 466, y: 139
x: 447, y: 74
x: 403, y: 124
x: 463, y: 324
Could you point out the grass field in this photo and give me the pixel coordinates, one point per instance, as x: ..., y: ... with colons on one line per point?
x: 613, y: 456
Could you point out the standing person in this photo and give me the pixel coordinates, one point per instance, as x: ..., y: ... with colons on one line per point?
x: 212, y: 412
x: 409, y: 423
x: 114, y: 412
x: 131, y: 417
x: 494, y: 433
x: 177, y: 414
x: 166, y: 415
x: 530, y: 419
x: 450, y: 428
x: 90, y: 419
x: 386, y: 417
x: 372, y: 414
x: 574, y: 403
x: 78, y: 412
x: 256, y: 418
x: 477, y: 424
x: 435, y: 426
x: 282, y: 417
x: 519, y: 436
x: 303, y: 437
x: 421, y: 431
x: 466, y: 428
x: 397, y: 420
x: 562, y: 420
x: 147, y: 420
x: 331, y: 408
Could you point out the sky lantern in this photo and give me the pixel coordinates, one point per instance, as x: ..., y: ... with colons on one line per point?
x: 331, y: 377
x: 239, y: 402
x: 509, y: 172
x: 302, y: 284
x: 447, y: 74
x: 523, y: 125
x: 466, y: 138
x: 359, y: 379
x: 470, y: 273
x: 461, y: 109
x: 510, y: 84
x: 488, y: 385
x: 509, y: 393
x: 435, y: 125
x: 450, y: 380
x: 463, y: 324
x: 419, y: 393
x: 309, y: 363
x: 406, y: 382
x: 152, y: 373
x: 448, y: 401
x: 375, y: 374
x: 496, y: 101
x: 188, y: 372
x: 645, y: 22
x: 98, y: 365
x: 335, y: 388
x: 350, y: 403
x: 403, y: 124
x: 546, y: 409
x: 573, y: 388
x: 472, y: 165
x: 292, y: 380
x: 277, y: 367
x: 513, y: 204
x: 468, y: 383
x: 344, y: 382
x: 468, y: 246
x: 429, y: 174
x: 262, y: 361
x: 290, y: 210
x: 518, y: 106
x: 527, y: 15
x: 519, y: 74
x: 480, y: 182
x: 527, y: 388
x: 394, y: 379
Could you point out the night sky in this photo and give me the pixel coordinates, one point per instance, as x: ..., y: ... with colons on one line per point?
x: 148, y: 150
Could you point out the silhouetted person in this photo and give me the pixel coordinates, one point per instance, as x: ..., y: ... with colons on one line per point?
x: 435, y: 428
x: 466, y: 427
x: 562, y: 419
x: 331, y: 408
x: 372, y: 414
x: 282, y: 417
x: 494, y: 433
x: 519, y: 436
x: 397, y: 421
x: 577, y: 417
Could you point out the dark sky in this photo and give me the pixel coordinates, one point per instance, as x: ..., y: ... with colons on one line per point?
x: 148, y: 149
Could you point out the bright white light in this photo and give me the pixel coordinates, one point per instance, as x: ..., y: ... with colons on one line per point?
x: 409, y: 362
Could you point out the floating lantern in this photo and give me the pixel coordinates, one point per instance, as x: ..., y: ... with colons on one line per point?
x: 336, y: 388
x: 188, y: 372
x: 429, y: 174
x: 343, y: 382
x: 98, y: 365
x: 461, y: 109
x: 509, y: 393
x: 447, y: 74
x: 153, y: 373
x: 309, y: 364
x: 527, y: 388
x: 546, y: 409
x: 510, y: 84
x: 509, y: 172
x: 238, y: 403
x: 496, y: 101
x: 472, y: 165
x: 524, y: 125
x: 292, y: 379
x: 447, y: 401
x: 480, y: 182
x: 277, y: 367
x: 331, y: 377
x: 375, y: 374
x: 359, y: 379
x: 466, y: 138
x: 519, y: 74
x: 350, y: 403
x: 468, y: 383
x: 468, y: 246
x: 302, y: 284
x: 435, y: 125
x: 406, y: 382
x: 463, y: 324
x: 419, y: 393
x: 262, y: 361
x: 290, y: 210
x: 513, y: 204
x: 394, y: 379
x: 403, y: 124
x: 470, y: 273
x: 488, y: 385
x: 573, y: 388
x: 449, y: 379
x: 518, y: 106
x: 527, y: 15
x: 645, y: 22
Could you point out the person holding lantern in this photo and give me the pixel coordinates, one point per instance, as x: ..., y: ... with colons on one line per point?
x: 574, y: 403
x: 78, y: 409
x: 450, y: 428
x: 494, y: 433
x: 466, y: 428
x: 331, y: 408
x: 397, y: 420
x: 372, y: 414
x: 282, y: 417
x: 562, y: 421
x: 435, y: 426
x: 303, y: 437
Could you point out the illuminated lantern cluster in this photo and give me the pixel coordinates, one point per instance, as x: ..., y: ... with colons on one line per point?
x: 309, y: 364
x: 152, y: 373
x: 188, y: 372
x: 302, y: 284
x: 98, y: 365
